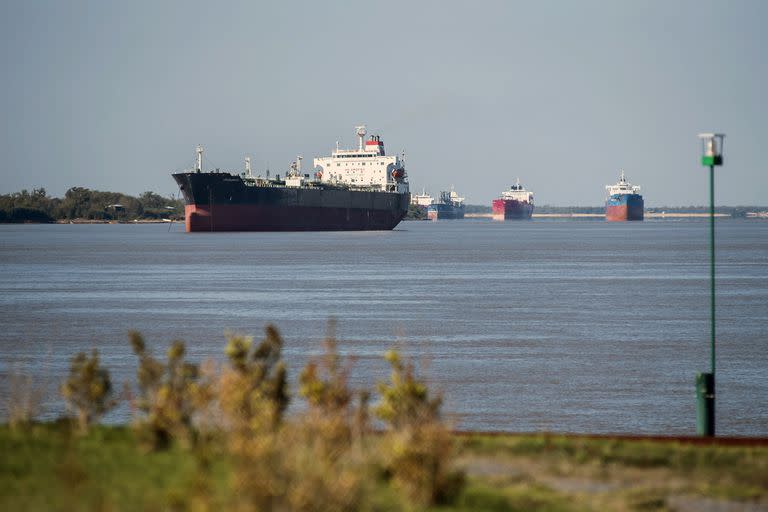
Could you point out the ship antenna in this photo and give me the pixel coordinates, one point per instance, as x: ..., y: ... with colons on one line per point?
x: 199, y: 164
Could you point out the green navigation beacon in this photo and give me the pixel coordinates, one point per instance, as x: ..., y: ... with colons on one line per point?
x: 712, y: 155
x: 712, y: 151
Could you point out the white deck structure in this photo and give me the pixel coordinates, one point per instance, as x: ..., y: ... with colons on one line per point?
x: 422, y: 199
x: 622, y: 187
x: 518, y: 193
x: 366, y: 167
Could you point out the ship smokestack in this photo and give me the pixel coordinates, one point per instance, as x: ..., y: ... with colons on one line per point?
x: 248, y: 166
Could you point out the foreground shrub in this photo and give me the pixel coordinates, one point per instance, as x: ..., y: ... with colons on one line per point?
x: 88, y: 389
x: 169, y: 395
x: 418, y: 448
x: 330, y: 466
x: 253, y: 396
x: 320, y: 458
x: 254, y: 390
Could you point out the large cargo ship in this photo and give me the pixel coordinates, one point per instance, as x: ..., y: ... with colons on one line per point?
x: 624, y: 201
x: 353, y: 189
x: 515, y: 203
x: 449, y: 206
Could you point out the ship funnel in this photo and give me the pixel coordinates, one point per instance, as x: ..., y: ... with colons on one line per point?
x: 248, y: 166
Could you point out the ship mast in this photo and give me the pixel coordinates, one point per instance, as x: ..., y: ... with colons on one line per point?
x: 248, y: 166
x: 199, y: 164
x: 361, y: 135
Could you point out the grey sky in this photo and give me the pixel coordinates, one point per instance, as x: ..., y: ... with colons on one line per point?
x: 115, y: 95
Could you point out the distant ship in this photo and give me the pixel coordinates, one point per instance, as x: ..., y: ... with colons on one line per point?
x: 353, y: 189
x: 449, y: 206
x: 624, y: 201
x: 422, y: 200
x: 515, y: 203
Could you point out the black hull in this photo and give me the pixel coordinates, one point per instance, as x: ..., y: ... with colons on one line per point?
x: 224, y: 202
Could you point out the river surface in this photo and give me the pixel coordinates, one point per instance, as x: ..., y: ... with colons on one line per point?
x: 547, y: 325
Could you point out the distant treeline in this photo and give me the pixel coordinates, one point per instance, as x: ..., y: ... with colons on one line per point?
x: 83, y: 203
x: 733, y: 211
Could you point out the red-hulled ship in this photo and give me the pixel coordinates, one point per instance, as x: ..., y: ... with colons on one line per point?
x: 355, y: 189
x: 624, y: 201
x: 515, y: 203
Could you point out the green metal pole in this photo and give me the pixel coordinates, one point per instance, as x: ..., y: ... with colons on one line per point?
x: 712, y: 282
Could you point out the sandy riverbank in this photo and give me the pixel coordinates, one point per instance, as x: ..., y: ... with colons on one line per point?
x: 137, y: 221
x: 648, y: 215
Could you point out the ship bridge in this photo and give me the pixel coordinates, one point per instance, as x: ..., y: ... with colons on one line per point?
x: 367, y: 166
x: 623, y: 187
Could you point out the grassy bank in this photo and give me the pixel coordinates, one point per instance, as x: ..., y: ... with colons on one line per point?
x: 50, y: 467
x: 210, y: 436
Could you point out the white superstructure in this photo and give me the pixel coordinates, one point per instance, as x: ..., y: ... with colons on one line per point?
x: 454, y: 198
x: 518, y: 193
x: 422, y: 199
x: 366, y: 167
x: 622, y: 187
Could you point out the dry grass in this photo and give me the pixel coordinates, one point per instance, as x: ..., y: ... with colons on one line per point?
x: 24, y: 399
x: 611, y: 474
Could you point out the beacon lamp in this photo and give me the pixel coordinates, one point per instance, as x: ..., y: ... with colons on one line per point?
x: 712, y: 155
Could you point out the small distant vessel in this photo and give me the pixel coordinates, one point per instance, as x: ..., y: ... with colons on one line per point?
x: 515, y: 203
x: 624, y: 201
x: 422, y: 200
x: 353, y: 189
x: 450, y: 206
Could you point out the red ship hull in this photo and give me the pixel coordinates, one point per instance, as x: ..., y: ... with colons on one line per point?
x: 247, y: 217
x: 622, y: 213
x: 223, y: 202
x: 625, y: 207
x: 510, y: 209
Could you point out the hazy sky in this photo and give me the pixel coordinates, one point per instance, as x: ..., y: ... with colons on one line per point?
x: 115, y: 95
